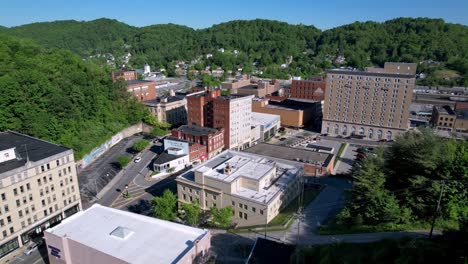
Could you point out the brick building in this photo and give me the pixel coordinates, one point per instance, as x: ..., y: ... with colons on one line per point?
x: 142, y: 90
x: 210, y: 138
x: 200, y: 106
x: 445, y: 118
x: 373, y: 104
x: 313, y: 89
x: 126, y: 75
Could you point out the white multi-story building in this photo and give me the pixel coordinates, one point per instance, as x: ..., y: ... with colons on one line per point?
x: 234, y: 114
x: 38, y: 188
x: 257, y: 187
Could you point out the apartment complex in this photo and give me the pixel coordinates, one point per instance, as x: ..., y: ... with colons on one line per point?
x: 373, y: 104
x: 313, y: 89
x: 257, y: 187
x: 200, y: 106
x: 126, y: 75
x: 38, y: 188
x: 211, y: 139
x: 105, y: 235
x: 169, y: 108
x: 234, y: 114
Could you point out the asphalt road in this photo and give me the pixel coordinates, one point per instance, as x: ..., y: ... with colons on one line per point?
x: 98, y: 174
x: 36, y: 257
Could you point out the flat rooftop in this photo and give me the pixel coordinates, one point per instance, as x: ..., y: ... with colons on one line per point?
x: 26, y: 147
x: 166, y: 157
x: 165, y: 99
x: 251, y: 166
x: 128, y: 236
x: 233, y: 96
x: 263, y: 119
x: 293, y: 154
x: 367, y: 73
x: 292, y: 104
x: 446, y: 110
x: 195, y: 130
x: 135, y: 82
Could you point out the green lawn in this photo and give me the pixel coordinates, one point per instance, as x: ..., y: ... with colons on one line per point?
x: 288, y: 212
x: 340, y: 152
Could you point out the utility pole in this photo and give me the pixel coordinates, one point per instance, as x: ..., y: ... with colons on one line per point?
x: 437, y: 208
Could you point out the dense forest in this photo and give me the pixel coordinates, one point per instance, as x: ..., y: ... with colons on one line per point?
x: 400, y: 186
x: 56, y: 96
x: 438, y: 47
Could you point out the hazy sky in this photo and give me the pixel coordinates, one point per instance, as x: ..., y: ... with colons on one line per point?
x: 323, y: 14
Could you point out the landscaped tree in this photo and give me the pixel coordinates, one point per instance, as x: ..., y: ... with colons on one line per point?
x: 192, y: 213
x: 165, y: 207
x: 123, y: 160
x: 222, y: 217
x: 140, y: 145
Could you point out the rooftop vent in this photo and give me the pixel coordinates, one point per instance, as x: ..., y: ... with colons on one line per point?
x: 121, y: 232
x: 227, y: 169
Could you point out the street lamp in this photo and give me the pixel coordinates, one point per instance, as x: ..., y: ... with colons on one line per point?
x: 126, y: 190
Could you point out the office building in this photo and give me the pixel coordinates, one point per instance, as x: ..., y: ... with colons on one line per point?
x: 169, y: 108
x: 200, y: 106
x: 256, y: 187
x: 38, y: 188
x: 268, y: 124
x: 106, y: 235
x: 373, y: 104
x: 211, y: 139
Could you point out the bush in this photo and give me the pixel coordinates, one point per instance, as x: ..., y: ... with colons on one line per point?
x: 123, y: 161
x: 140, y: 145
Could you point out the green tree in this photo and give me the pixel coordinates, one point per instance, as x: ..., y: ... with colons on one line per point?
x: 140, y: 145
x: 192, y: 213
x: 165, y: 207
x: 222, y: 217
x: 123, y: 160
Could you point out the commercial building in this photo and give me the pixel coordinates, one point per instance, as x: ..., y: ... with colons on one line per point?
x: 169, y: 108
x: 174, y: 158
x: 268, y: 124
x: 142, y: 90
x: 256, y: 187
x: 314, y: 163
x: 293, y: 112
x: 126, y: 75
x: 373, y: 104
x: 211, y: 139
x: 313, y: 89
x: 200, y: 106
x: 38, y: 188
x: 234, y: 84
x: 195, y: 151
x: 445, y: 118
x: 106, y: 235
x: 234, y: 114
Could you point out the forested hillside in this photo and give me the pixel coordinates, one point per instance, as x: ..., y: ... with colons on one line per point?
x: 56, y: 96
x: 438, y: 47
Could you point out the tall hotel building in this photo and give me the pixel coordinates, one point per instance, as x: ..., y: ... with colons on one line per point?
x: 372, y: 104
x: 38, y: 188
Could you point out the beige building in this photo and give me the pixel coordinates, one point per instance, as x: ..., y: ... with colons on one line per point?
x: 169, y: 108
x: 103, y: 235
x: 256, y: 187
x: 372, y: 104
x: 445, y: 118
x: 38, y: 188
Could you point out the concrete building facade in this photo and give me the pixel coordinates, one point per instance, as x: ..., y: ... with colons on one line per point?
x: 373, y: 104
x: 38, y: 188
x: 256, y: 187
x: 109, y: 236
x: 234, y: 114
x: 169, y: 108
x: 448, y: 119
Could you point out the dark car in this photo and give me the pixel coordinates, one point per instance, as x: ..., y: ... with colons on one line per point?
x: 361, y: 156
x: 282, y: 139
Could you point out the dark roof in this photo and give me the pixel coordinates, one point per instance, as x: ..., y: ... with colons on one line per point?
x: 249, y: 87
x: 293, y: 104
x: 232, y: 96
x: 195, y: 130
x: 268, y: 251
x: 293, y: 154
x: 36, y: 149
x: 365, y: 73
x: 169, y: 98
x: 132, y: 82
x: 166, y: 157
x: 317, y: 147
x: 462, y: 114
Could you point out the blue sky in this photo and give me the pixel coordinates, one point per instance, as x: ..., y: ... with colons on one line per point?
x: 323, y: 14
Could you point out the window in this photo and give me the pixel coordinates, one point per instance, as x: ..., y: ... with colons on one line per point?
x: 43, y: 202
x: 45, y: 212
x: 33, y: 208
x: 39, y: 182
x: 5, y: 234
x: 18, y: 203
x: 233, y: 203
x: 15, y: 191
x: 261, y: 212
x: 20, y: 213
x: 253, y: 209
x: 30, y: 197
x: 21, y: 189
x: 57, y: 162
x: 8, y: 219
x: 48, y: 166
x: 240, y: 205
x: 28, y: 187
x: 245, y: 216
x: 240, y: 214
x: 12, y: 230
x: 3, y: 197
x: 246, y: 207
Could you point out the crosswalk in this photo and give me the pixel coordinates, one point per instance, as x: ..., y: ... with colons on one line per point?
x: 134, y: 191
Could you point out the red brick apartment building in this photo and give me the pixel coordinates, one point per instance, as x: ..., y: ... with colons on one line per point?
x: 313, y: 89
x: 210, y: 138
x: 142, y: 90
x: 126, y: 75
x: 200, y: 107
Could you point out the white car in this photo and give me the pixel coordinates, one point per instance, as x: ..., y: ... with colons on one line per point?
x: 138, y: 159
x: 30, y: 249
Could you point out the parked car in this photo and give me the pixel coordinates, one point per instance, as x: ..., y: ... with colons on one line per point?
x: 282, y: 139
x: 361, y: 156
x: 31, y: 248
x: 137, y: 159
